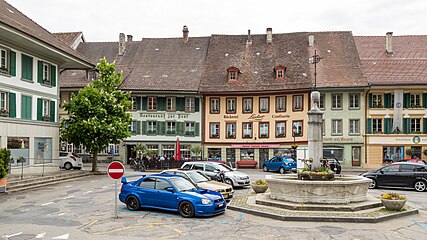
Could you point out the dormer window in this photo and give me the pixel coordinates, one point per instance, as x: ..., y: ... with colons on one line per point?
x: 280, y: 72
x: 233, y: 73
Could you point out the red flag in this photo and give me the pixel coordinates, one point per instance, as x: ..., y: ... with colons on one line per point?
x: 178, y: 150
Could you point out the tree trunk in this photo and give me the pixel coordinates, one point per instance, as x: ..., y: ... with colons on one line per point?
x: 95, y: 162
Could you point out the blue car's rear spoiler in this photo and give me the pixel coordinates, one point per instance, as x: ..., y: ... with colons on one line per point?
x: 124, y: 179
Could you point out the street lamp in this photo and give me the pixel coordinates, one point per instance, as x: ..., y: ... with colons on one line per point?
x: 295, y: 145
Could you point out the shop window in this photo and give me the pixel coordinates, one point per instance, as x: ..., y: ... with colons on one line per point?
x: 247, y: 154
x: 19, y: 147
x: 333, y: 152
x: 392, y: 154
x: 231, y: 156
x: 214, y: 154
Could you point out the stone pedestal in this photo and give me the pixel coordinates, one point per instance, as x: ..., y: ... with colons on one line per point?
x: 315, y: 137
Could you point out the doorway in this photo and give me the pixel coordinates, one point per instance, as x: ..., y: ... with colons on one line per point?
x: 263, y: 156
x: 355, y: 156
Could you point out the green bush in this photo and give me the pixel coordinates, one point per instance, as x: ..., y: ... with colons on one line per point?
x: 4, y: 161
x: 260, y: 182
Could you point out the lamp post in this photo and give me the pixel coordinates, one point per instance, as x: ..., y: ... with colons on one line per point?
x: 294, y: 146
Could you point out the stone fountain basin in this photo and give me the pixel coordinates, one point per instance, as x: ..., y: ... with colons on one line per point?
x: 343, y: 190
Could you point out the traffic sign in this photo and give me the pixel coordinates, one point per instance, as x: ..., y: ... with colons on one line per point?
x: 115, y: 170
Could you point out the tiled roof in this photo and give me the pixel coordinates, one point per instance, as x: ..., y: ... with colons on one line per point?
x: 13, y: 18
x: 407, y: 64
x: 67, y: 37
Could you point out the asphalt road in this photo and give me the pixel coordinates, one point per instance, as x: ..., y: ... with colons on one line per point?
x: 84, y: 209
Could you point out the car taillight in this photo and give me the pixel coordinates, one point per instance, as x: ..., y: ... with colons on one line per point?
x: 74, y: 158
x: 121, y: 188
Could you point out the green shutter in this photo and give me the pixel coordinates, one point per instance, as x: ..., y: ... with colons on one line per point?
x: 425, y: 125
x: 180, y: 104
x: 197, y: 102
x: 144, y: 104
x: 387, y: 100
x: 180, y: 128
x: 406, y: 125
x: 26, y: 110
x: 387, y: 126
x: 12, y: 63
x: 52, y: 111
x: 370, y: 100
x: 161, y: 128
x: 144, y: 128
x: 424, y: 100
x: 39, y: 72
x: 138, y: 103
x: 369, y: 125
x: 161, y: 104
x: 12, y: 105
x: 39, y: 109
x: 196, y: 129
x: 27, y: 67
x: 53, y: 76
x: 406, y: 100
x: 138, y: 127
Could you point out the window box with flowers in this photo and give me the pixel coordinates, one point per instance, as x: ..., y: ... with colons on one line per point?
x: 393, y: 201
x: 214, y: 136
x: 4, y: 113
x: 247, y: 136
x: 46, y: 118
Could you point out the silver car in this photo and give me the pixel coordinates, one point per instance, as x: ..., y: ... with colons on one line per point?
x: 212, y: 169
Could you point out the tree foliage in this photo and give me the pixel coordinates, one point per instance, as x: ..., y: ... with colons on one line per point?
x: 98, y: 113
x: 196, y: 149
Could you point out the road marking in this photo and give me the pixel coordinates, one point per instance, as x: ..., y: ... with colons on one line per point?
x: 68, y: 186
x: 65, y: 198
x: 47, y: 204
x: 65, y: 236
x: 149, y: 225
x: 173, y: 236
x: 40, y: 235
x: 419, y: 224
x: 88, y: 192
x: 104, y: 187
x: 12, y: 235
x: 61, y: 214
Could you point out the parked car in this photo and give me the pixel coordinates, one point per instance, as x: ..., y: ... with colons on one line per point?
x: 212, y: 169
x: 279, y: 163
x: 203, y: 181
x: 334, y: 165
x: 172, y: 193
x: 70, y: 160
x: 401, y: 175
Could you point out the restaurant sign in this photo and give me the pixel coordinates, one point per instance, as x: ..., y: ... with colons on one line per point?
x: 255, y: 145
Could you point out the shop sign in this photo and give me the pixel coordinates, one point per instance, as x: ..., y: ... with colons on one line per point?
x: 416, y: 139
x: 255, y: 145
x: 281, y: 116
x: 338, y: 139
x: 163, y: 115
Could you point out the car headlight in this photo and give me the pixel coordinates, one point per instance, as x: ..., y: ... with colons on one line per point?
x: 244, y: 178
x: 206, y: 202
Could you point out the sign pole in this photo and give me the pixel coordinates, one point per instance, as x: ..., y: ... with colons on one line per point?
x: 115, y: 171
x: 115, y: 201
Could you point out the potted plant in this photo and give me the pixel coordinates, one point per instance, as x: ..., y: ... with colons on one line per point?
x: 425, y: 152
x: 4, y: 112
x: 393, y: 201
x: 410, y: 151
x: 259, y: 186
x: 4, y: 165
x: 322, y: 173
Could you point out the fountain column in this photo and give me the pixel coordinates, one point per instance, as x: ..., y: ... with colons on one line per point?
x: 315, y: 137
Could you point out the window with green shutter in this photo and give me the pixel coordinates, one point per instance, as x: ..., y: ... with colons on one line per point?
x: 26, y: 107
x: 138, y: 103
x: 144, y: 103
x: 161, y: 103
x: 387, y: 100
x: 425, y: 125
x: 369, y: 125
x: 197, y: 105
x: 424, y: 100
x: 12, y: 104
x: 180, y: 104
x: 12, y: 63
x: 27, y: 67
x: 138, y: 127
x: 52, y: 111
x: 196, y: 129
x: 387, y: 125
x: 406, y: 125
x: 52, y: 76
x: 46, y: 73
x: 406, y: 100
x: 39, y: 109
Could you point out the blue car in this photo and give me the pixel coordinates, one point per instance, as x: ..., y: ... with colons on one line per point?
x: 279, y: 163
x: 173, y: 193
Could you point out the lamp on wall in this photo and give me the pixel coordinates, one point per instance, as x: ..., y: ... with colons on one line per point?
x: 294, y: 145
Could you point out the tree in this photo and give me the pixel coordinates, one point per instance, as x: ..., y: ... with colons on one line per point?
x: 196, y: 149
x: 140, y: 150
x: 98, y: 113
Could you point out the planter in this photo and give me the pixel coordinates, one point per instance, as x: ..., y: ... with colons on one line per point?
x: 316, y: 177
x: 259, y: 188
x: 3, y: 184
x: 393, y: 205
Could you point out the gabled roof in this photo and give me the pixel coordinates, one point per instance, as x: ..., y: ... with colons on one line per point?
x: 69, y: 38
x: 11, y: 17
x: 407, y: 64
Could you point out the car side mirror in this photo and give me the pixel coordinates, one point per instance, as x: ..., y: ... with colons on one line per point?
x: 170, y: 189
x: 381, y: 171
x: 216, y: 171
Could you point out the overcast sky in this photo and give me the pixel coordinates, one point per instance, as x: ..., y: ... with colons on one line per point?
x: 103, y: 20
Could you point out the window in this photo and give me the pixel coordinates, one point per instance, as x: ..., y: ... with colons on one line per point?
x: 392, y: 153
x: 247, y: 130
x: 354, y: 99
x: 27, y: 67
x: 415, y: 125
x: 392, y: 101
x: 377, y: 125
x: 148, y: 183
x: 45, y: 108
x: 185, y: 152
x: 247, y: 154
x: 415, y: 100
x: 231, y: 105
x: 336, y: 127
x: 233, y: 73
x: 189, y: 104
x: 133, y: 127
x: 26, y: 107
x: 297, y: 103
x: 247, y: 105
x: 189, y: 128
x: 133, y: 106
x: 19, y: 146
x: 377, y: 101
x: 263, y: 130
x: 231, y: 130
x: 336, y: 101
x: 3, y: 61
x: 209, y: 168
x: 214, y: 153
x: 152, y: 103
x: 280, y: 129
x: 264, y: 104
x: 214, y: 105
x: 3, y: 103
x: 232, y: 76
x: 170, y: 127
x: 390, y: 168
x: 322, y: 101
x: 230, y: 155
x: 407, y: 168
x: 162, y: 184
x: 298, y: 126
x: 46, y: 73
x: 280, y: 74
x: 354, y: 126
x: 151, y: 127
x: 214, y: 133
x: 171, y: 104
x: 280, y: 104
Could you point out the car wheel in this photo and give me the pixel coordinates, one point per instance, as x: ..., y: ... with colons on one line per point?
x: 282, y: 170
x: 68, y: 166
x: 132, y: 203
x: 186, y: 209
x: 229, y: 182
x: 420, y: 186
x: 338, y: 171
x: 373, y: 183
x: 265, y: 168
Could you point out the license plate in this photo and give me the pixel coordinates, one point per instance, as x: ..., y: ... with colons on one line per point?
x: 222, y: 204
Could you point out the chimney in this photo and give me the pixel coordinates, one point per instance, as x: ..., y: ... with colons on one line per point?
x: 185, y: 34
x: 311, y: 40
x: 389, y: 42
x: 122, y: 43
x: 249, y: 40
x: 129, y: 38
x: 269, y: 35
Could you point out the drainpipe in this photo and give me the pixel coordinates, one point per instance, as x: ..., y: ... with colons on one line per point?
x: 366, y: 117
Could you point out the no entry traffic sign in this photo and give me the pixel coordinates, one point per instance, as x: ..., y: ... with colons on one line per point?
x: 115, y: 170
